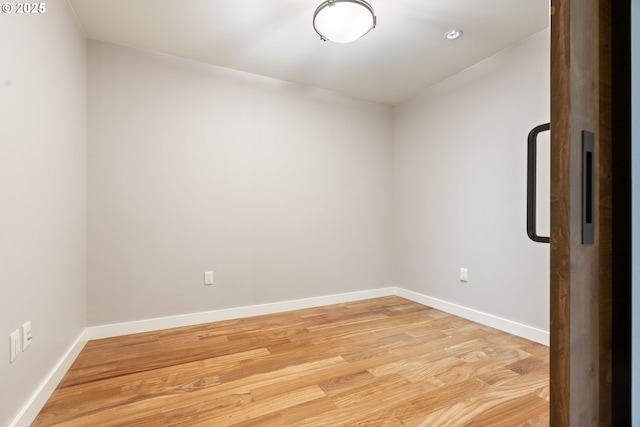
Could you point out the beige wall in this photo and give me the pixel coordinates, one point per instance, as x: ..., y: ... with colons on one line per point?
x: 460, y: 186
x: 42, y: 194
x: 284, y: 191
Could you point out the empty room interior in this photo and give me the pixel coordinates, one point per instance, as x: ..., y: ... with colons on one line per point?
x: 214, y: 214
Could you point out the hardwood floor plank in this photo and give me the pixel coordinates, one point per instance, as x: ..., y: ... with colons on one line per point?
x: 202, y: 414
x: 293, y: 415
x: 512, y: 412
x: 378, y: 362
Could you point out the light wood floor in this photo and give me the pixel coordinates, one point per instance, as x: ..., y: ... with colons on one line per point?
x: 380, y: 362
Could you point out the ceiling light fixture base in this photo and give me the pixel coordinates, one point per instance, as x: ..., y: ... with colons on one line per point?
x: 343, y: 21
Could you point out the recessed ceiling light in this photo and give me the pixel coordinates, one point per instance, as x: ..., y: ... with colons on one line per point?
x: 453, y: 34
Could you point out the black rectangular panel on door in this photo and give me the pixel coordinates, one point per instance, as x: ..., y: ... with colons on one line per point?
x: 588, y: 187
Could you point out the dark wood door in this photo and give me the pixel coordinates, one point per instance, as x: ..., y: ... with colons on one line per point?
x: 580, y: 272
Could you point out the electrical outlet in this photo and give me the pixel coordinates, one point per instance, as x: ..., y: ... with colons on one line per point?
x: 464, y: 275
x: 26, y: 336
x: 208, y: 277
x: 14, y: 346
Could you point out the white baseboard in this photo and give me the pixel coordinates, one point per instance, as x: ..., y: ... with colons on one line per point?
x: 32, y: 407
x: 515, y: 328
x: 148, y: 325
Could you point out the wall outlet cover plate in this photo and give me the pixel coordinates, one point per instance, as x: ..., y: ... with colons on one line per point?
x: 208, y: 277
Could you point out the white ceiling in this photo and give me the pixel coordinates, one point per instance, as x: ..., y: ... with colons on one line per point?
x: 405, y: 53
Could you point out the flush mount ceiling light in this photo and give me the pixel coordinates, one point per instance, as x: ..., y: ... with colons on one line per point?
x: 453, y: 34
x: 343, y: 21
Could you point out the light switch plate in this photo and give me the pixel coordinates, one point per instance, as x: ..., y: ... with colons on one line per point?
x: 26, y: 335
x: 14, y: 345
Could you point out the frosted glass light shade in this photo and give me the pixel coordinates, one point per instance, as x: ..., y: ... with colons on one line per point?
x: 343, y: 21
